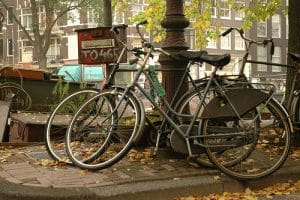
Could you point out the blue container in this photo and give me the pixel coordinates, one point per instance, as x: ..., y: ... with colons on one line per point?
x: 74, y: 73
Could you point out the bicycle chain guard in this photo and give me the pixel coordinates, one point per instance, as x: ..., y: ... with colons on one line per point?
x: 243, y: 100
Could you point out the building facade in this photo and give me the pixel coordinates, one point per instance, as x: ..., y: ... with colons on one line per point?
x: 15, y: 48
x: 276, y: 27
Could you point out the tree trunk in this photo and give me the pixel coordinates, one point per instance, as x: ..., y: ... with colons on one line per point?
x: 42, y: 59
x: 107, y: 13
x: 294, y: 39
x: 293, y: 47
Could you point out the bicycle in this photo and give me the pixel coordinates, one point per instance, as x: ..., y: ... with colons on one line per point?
x: 55, y: 128
x: 61, y: 115
x: 240, y: 122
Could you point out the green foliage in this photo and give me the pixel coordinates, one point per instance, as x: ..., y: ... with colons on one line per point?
x: 154, y: 13
x: 260, y: 11
x: 199, y: 11
x: 61, y: 89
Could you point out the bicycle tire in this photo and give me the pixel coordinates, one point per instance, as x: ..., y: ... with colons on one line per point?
x: 93, y: 145
x: 55, y: 127
x: 271, y: 136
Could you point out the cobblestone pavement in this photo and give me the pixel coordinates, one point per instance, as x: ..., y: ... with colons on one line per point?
x: 32, y: 166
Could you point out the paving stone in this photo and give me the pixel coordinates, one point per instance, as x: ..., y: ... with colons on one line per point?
x: 100, y: 184
x: 14, y: 180
x: 36, y: 185
x: 122, y: 175
x: 16, y: 166
x: 168, y: 167
x: 4, y: 174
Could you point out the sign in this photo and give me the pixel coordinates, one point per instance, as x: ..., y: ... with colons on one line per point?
x: 98, y: 46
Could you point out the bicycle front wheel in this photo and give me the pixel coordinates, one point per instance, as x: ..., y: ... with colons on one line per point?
x: 103, y: 129
x: 59, y: 120
x: 260, y: 140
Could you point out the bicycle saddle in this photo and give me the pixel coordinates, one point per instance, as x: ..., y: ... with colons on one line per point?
x: 294, y: 56
x: 203, y: 56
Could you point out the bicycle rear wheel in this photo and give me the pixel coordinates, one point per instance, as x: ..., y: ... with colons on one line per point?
x: 267, y: 137
x: 103, y: 129
x: 59, y: 120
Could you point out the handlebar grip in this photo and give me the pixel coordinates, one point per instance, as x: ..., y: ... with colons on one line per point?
x: 272, y: 48
x: 226, y: 32
x: 116, y: 27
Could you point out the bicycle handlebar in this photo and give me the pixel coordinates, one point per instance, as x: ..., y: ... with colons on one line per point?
x: 115, y: 28
x: 250, y: 41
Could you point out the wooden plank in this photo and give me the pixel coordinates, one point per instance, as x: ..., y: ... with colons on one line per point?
x: 4, y: 110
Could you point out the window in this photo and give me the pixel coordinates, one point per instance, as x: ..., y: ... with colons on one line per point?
x: 54, y: 49
x: 276, y: 30
x: 10, y: 15
x: 214, y: 8
x: 73, y: 17
x: 136, y: 8
x: 239, y: 14
x: 211, y: 42
x: 262, y: 29
x: 262, y: 56
x: 188, y: 2
x: 9, y: 47
x: 26, y: 50
x: 26, y: 18
x: 287, y: 26
x: 91, y: 17
x: 118, y: 16
x: 190, y: 37
x: 239, y: 42
x: 224, y: 9
x: 276, y: 59
x: 225, y: 41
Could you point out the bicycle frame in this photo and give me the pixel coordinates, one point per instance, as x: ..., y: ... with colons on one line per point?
x: 184, y: 135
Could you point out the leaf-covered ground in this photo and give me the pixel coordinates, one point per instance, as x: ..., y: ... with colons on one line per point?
x: 268, y: 192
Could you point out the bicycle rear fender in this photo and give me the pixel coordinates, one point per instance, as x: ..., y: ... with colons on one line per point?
x: 243, y: 100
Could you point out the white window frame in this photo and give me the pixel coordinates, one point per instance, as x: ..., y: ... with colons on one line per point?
x: 242, y: 42
x: 266, y: 29
x: 225, y: 38
x: 9, y: 19
x: 240, y: 2
x: 278, y: 23
x: 222, y: 10
x: 262, y: 67
x: 214, y: 8
x: 276, y: 59
x: 75, y: 17
x: 287, y: 26
x: 117, y: 17
x: 26, y: 17
x: 191, y: 37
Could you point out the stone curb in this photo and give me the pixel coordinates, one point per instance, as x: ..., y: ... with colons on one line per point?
x: 155, y: 189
